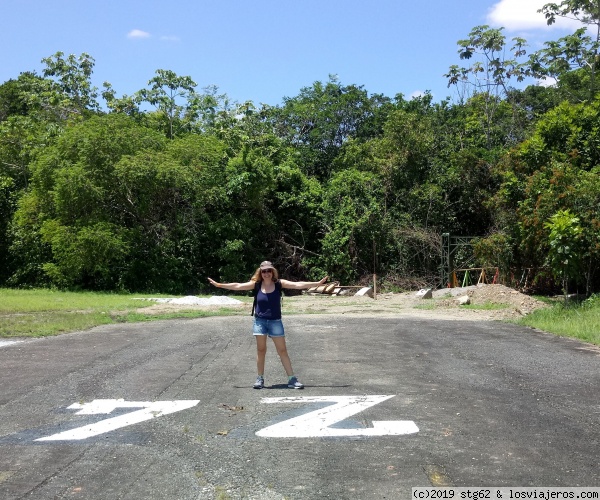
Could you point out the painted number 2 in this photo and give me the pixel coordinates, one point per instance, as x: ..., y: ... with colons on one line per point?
x: 319, y: 423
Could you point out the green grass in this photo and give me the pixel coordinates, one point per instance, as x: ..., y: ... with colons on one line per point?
x: 23, y: 301
x: 429, y: 306
x: 486, y: 306
x: 39, y: 313
x: 579, y: 321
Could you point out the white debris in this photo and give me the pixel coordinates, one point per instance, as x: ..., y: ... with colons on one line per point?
x: 197, y: 301
x: 463, y: 300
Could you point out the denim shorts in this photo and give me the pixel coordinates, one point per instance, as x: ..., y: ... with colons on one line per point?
x: 270, y: 327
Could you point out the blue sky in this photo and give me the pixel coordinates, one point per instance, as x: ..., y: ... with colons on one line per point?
x: 262, y: 50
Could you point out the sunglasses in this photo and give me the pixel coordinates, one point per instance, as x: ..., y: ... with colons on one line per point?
x: 265, y: 271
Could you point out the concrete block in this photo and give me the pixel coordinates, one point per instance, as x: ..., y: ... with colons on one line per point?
x: 425, y: 293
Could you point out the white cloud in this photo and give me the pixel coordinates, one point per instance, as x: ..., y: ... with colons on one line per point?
x: 515, y: 15
x: 138, y: 34
x: 170, y: 38
x: 417, y: 93
x: 547, y: 82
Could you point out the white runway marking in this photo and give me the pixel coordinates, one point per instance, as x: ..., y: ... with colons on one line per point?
x: 4, y: 343
x: 318, y: 423
x: 149, y: 410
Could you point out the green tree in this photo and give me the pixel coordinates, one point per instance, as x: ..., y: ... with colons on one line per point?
x: 73, y: 75
x: 296, y: 208
x: 568, y: 132
x: 587, y: 207
x: 321, y: 119
x: 352, y: 220
x: 73, y: 196
x: 403, y: 154
x: 553, y: 170
x: 159, y: 202
x: 29, y: 123
x: 214, y: 112
x: 87, y: 257
x: 491, y: 73
x: 129, y: 105
x: 250, y: 224
x: 7, y: 208
x: 564, y: 251
x: 171, y: 94
x: 575, y: 51
x: 488, y: 78
x: 12, y: 100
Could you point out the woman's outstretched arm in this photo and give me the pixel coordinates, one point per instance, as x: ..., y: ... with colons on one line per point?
x: 249, y: 285
x: 301, y: 285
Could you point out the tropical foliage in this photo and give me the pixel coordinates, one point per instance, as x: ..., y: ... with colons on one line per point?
x: 157, y: 190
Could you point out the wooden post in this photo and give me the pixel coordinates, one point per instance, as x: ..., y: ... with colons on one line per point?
x: 374, y: 271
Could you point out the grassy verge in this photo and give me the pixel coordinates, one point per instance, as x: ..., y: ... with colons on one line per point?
x: 580, y: 321
x: 486, y: 306
x: 39, y: 313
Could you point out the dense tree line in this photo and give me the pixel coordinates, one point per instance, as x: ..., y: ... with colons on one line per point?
x: 157, y: 190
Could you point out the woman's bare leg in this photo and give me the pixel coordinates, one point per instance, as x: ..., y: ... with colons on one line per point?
x: 261, y: 352
x: 283, y: 354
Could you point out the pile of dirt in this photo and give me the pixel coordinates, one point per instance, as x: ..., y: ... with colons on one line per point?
x: 481, y: 295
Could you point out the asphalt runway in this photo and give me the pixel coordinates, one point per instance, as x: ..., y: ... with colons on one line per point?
x: 165, y: 410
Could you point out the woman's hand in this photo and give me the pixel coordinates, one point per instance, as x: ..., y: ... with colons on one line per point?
x: 213, y: 282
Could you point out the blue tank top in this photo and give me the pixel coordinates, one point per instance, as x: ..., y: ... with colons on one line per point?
x: 268, y: 305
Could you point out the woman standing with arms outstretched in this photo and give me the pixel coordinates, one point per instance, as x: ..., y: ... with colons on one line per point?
x: 267, y: 316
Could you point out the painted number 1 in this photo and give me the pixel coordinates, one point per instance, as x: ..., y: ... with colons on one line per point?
x: 319, y: 423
